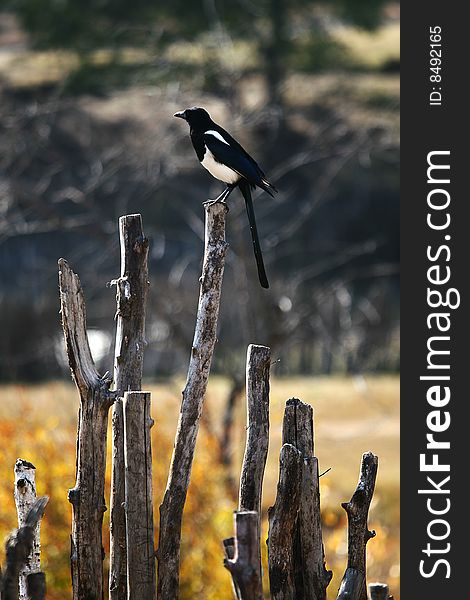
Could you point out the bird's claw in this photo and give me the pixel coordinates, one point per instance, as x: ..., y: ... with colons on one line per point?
x: 208, y: 203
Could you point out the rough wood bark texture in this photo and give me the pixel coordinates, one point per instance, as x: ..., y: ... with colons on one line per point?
x: 244, y: 567
x: 139, y: 504
x: 378, y: 591
x: 353, y: 585
x: 282, y: 519
x: 229, y: 551
x: 258, y: 363
x: 171, y: 509
x: 17, y: 549
x: 311, y: 576
x: 131, y: 296
x: 25, y: 497
x: 87, y: 497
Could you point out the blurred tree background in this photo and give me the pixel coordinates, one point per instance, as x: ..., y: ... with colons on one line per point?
x: 87, y: 93
x: 88, y: 89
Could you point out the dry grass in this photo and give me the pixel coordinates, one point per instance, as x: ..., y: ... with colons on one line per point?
x: 352, y: 416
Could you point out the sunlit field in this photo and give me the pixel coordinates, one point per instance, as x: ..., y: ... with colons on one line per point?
x: 352, y: 415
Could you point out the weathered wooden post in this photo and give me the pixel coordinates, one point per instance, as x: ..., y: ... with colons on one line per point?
x: 25, y: 497
x: 311, y: 576
x: 353, y: 585
x: 282, y: 520
x: 244, y: 564
x: 205, y: 335
x: 258, y: 363
x: 139, y: 503
x: 378, y: 591
x: 131, y: 296
x: 87, y: 497
x: 18, y: 548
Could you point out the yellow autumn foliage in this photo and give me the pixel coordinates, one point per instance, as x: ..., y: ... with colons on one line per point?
x: 38, y: 423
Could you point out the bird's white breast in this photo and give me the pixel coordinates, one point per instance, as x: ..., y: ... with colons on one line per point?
x: 218, y: 170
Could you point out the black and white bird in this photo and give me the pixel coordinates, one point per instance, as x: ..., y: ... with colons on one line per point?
x: 228, y: 161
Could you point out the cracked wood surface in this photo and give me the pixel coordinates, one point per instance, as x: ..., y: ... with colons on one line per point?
x: 205, y: 336
x: 87, y: 497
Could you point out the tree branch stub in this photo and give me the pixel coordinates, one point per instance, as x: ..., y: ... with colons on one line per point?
x: 378, y: 591
x: 244, y: 565
x: 353, y: 585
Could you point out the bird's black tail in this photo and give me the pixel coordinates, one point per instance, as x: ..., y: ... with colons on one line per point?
x: 246, y: 191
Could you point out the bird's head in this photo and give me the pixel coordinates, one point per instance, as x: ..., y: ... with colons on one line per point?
x: 195, y: 116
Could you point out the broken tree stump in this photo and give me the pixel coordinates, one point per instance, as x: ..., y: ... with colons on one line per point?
x: 353, y: 585
x: 244, y: 564
x: 25, y: 497
x: 18, y: 547
x: 311, y: 576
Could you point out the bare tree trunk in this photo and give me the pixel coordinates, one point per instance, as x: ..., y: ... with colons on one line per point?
x: 275, y: 50
x: 244, y: 566
x: 139, y: 504
x: 131, y: 296
x: 311, y: 576
x: 258, y: 363
x: 282, y: 519
x: 18, y: 547
x: 87, y: 497
x: 353, y: 585
x: 205, y: 335
x: 25, y: 497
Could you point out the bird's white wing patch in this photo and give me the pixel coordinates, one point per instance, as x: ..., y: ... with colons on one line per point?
x: 217, y: 135
x: 218, y: 170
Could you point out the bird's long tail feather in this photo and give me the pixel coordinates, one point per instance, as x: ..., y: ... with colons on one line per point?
x: 246, y: 191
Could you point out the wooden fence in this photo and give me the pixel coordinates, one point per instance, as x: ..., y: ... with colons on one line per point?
x: 296, y: 560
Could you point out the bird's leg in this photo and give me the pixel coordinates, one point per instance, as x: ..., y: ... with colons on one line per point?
x: 221, y: 197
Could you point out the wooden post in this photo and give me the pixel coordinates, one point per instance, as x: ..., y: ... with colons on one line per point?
x: 229, y: 551
x: 25, y: 497
x: 131, y: 295
x: 258, y: 363
x: 311, y: 576
x: 205, y: 335
x: 353, y: 585
x: 244, y: 566
x: 18, y: 547
x: 36, y: 586
x: 282, y: 518
x: 139, y: 504
x: 87, y: 497
x: 378, y: 591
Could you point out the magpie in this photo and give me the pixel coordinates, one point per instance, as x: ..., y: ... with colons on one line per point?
x: 228, y: 161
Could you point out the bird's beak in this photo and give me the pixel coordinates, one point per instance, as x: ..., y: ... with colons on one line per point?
x: 180, y: 114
